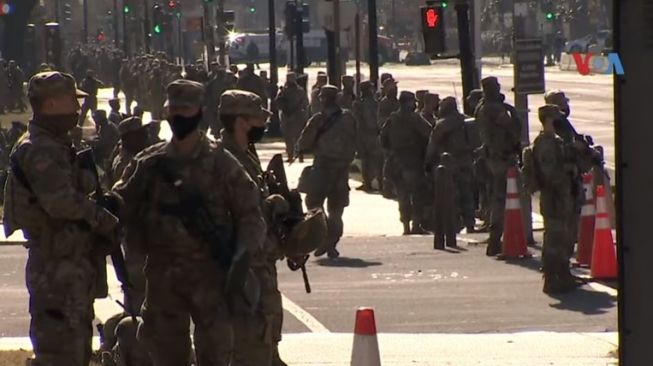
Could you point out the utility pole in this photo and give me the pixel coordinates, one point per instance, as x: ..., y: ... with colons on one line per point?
x: 125, y: 39
x: 222, y: 53
x: 357, y: 31
x: 208, y: 34
x: 57, y: 11
x: 466, y: 55
x: 272, y: 32
x: 373, y: 57
x: 85, y: 30
x: 336, y: 44
x: 116, y: 32
x: 146, y: 25
x: 478, y: 49
x: 299, y: 31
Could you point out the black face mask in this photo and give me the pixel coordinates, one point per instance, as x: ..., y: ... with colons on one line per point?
x: 59, y: 124
x: 255, y: 134
x: 183, y: 126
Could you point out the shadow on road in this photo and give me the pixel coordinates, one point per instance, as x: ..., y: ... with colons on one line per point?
x: 346, y: 262
x: 585, y: 301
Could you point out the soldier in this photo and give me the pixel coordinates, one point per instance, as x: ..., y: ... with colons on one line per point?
x: 419, y: 95
x: 555, y: 172
x: 501, y: 137
x: 450, y: 136
x: 316, y: 105
x: 187, y: 275
x: 16, y: 78
x: 15, y: 132
x: 107, y: 137
x: 66, y: 229
x: 219, y: 83
x: 134, y: 137
x: 293, y: 103
x: 331, y: 135
x: 481, y: 186
x: 156, y: 91
x: 387, y: 106
x: 563, y: 126
x: 365, y: 109
x: 429, y: 109
x: 405, y: 136
x: 347, y: 96
x: 255, y: 339
x: 251, y: 82
x: 138, y: 111
x: 90, y: 85
x: 381, y: 93
x: 114, y: 115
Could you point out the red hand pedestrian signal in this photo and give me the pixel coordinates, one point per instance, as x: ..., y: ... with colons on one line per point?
x: 432, y: 18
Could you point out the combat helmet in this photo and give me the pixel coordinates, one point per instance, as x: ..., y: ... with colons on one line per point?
x: 307, y: 235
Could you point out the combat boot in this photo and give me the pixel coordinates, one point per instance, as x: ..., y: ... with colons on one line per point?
x: 418, y: 230
x: 333, y: 253
x: 553, y: 284
x: 301, y: 158
x: 406, y: 228
x: 493, y: 248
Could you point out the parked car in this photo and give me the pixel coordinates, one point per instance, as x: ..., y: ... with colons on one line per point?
x: 601, y: 41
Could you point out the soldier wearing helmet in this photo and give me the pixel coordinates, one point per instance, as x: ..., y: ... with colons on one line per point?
x: 46, y: 199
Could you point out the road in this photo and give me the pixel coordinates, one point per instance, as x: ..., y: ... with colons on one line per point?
x: 420, y: 295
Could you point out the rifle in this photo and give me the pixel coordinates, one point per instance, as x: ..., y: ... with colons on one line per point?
x: 87, y: 162
x: 197, y: 219
x: 278, y: 184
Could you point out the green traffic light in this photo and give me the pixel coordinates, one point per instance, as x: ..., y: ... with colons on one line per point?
x: 444, y: 4
x: 125, y: 9
x: 252, y: 10
x: 549, y: 16
x: 157, y: 29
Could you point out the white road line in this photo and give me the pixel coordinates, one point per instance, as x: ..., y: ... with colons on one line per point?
x: 596, y: 286
x: 303, y: 316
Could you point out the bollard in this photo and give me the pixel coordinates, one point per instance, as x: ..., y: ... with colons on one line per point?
x: 445, y: 216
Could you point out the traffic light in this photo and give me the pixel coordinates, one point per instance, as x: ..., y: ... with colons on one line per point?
x: 100, y: 36
x: 172, y: 5
x: 5, y: 8
x: 125, y: 9
x: 67, y: 13
x: 53, y: 43
x: 306, y: 18
x: 432, y: 19
x: 157, y: 13
x: 290, y: 13
x: 229, y: 19
x: 550, y: 16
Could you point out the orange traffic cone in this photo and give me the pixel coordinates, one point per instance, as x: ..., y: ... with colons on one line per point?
x: 365, y: 351
x: 586, y: 225
x: 514, y: 238
x: 604, y: 258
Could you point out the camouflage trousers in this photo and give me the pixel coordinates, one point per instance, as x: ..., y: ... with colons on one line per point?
x: 61, y: 308
x: 256, y: 337
x: 134, y: 263
x: 499, y: 170
x: 557, y: 207
x: 411, y: 188
x: 177, y: 291
x: 331, y: 185
x: 371, y: 161
x: 291, y: 127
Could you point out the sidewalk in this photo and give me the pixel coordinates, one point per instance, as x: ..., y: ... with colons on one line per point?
x: 518, y: 349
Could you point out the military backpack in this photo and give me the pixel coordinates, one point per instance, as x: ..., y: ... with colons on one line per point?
x: 529, y: 171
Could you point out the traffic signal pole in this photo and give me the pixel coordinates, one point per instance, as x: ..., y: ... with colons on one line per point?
x: 336, y: 45
x: 373, y: 57
x: 146, y: 25
x: 299, y: 31
x: 272, y: 32
x: 85, y: 30
x: 466, y: 55
x: 222, y: 53
x: 125, y: 39
x: 116, y: 32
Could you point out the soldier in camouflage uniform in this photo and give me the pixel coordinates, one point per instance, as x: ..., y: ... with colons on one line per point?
x: 369, y: 149
x: 419, y: 96
x: 347, y: 96
x: 405, y: 135
x: 450, y: 136
x: 107, y: 137
x: 218, y: 84
x: 429, y: 110
x: 90, y: 85
x: 184, y: 276
x: 316, y: 105
x: 156, y: 91
x: 502, y: 138
x: 46, y: 197
x: 15, y: 132
x: 387, y: 105
x: 251, y: 82
x: 331, y: 135
x: 293, y: 103
x: 555, y: 171
x: 255, y: 338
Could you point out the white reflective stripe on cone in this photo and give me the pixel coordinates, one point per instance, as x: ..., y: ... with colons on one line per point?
x: 601, y: 207
x: 588, y: 192
x: 365, y: 351
x: 513, y: 204
x: 587, y: 210
x: 602, y: 223
x: 512, y: 186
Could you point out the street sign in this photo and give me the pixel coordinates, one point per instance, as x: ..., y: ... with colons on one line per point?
x: 529, y: 66
x: 325, y: 14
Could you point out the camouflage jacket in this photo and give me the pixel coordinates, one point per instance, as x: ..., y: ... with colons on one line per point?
x: 387, y: 106
x: 450, y: 136
x: 46, y: 195
x: 498, y: 130
x: 292, y: 100
x: 210, y: 172
x: 554, y: 168
x: 338, y: 142
x: 405, y: 135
